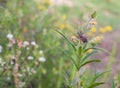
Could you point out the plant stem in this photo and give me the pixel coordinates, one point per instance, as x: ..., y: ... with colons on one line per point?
x: 78, y: 76
x: 15, y: 73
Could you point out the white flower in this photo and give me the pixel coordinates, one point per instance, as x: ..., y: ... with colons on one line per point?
x: 8, y: 78
x: 26, y: 43
x: 12, y: 62
x: 9, y: 36
x: 20, y: 75
x: 41, y: 52
x: 1, y: 48
x: 41, y: 59
x: 27, y: 48
x: 33, y: 71
x: 33, y: 43
x: 30, y: 58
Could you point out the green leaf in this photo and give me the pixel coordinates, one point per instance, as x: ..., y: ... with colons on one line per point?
x: 87, y: 55
x: 97, y: 75
x: 67, y: 39
x: 67, y: 81
x: 113, y: 84
x: 96, y: 84
x: 75, y: 63
x: 80, y: 50
x: 93, y: 15
x: 90, y: 61
x: 97, y: 48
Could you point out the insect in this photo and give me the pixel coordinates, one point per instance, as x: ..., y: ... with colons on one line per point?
x: 82, y: 37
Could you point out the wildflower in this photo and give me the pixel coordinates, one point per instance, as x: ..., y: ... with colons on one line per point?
x: 82, y: 37
x: 73, y: 38
x: 12, y: 62
x: 8, y: 78
x: 26, y: 43
x: 108, y: 28
x: 10, y: 36
x: 30, y: 58
x: 33, y: 71
x: 1, y: 48
x: 93, y: 22
x: 28, y: 48
x: 93, y: 29
x: 62, y: 26
x: 40, y: 52
x: 33, y: 43
x: 97, y: 39
x: 20, y: 75
x: 13, y: 41
x: 41, y: 59
x: 20, y: 43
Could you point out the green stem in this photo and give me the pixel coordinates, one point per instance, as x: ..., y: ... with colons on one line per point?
x: 78, y: 76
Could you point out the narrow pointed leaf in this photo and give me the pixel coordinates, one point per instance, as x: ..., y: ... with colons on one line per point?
x: 96, y: 84
x: 88, y: 55
x: 87, y: 62
x: 97, y: 48
x: 97, y: 75
x: 75, y: 63
x: 67, y: 39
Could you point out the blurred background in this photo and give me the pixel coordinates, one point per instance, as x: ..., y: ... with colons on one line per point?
x: 35, y: 20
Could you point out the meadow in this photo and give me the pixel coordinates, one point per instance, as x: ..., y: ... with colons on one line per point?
x: 59, y: 44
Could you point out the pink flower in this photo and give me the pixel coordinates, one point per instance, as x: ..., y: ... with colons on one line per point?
x: 20, y: 43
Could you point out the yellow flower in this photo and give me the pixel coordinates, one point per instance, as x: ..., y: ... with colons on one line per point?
x: 108, y: 28
x: 62, y: 26
x: 93, y: 29
x: 89, y: 51
x: 102, y: 30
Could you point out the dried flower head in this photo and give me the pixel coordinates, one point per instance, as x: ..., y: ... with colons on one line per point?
x: 82, y: 37
x: 73, y: 38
